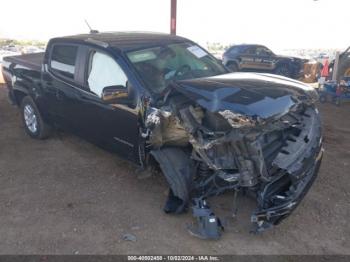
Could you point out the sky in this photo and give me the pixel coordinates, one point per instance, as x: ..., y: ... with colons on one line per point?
x: 279, y: 24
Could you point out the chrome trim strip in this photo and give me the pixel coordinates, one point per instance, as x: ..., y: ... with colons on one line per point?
x: 123, y: 141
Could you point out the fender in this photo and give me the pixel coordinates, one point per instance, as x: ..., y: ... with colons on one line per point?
x: 284, y: 61
x: 177, y: 168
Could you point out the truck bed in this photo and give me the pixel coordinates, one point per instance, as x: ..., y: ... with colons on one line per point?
x: 32, y: 61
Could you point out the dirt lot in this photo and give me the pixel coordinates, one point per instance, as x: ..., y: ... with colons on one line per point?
x: 66, y: 196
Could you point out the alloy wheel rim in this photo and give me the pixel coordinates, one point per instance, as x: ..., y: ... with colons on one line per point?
x: 30, y: 118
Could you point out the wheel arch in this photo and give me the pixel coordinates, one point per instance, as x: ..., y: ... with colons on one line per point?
x: 19, y: 95
x: 235, y: 62
x: 178, y: 169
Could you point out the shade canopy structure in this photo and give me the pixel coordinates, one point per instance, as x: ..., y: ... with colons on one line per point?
x: 173, y: 17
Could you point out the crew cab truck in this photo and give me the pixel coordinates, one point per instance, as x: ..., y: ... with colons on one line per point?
x: 161, y: 100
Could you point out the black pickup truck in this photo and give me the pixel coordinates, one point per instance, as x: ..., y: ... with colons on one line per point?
x: 163, y: 101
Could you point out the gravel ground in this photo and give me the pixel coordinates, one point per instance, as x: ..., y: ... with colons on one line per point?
x: 66, y: 196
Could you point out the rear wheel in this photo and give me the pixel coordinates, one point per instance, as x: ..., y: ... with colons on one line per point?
x: 32, y: 120
x: 233, y: 67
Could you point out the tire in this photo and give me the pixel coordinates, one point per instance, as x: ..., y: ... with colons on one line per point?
x: 33, y: 122
x: 343, y: 69
x: 283, y: 70
x: 232, y: 67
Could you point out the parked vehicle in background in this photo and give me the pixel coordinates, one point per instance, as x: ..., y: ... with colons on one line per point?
x: 163, y: 101
x: 258, y: 58
x: 32, y: 49
x: 321, y: 57
x: 11, y: 48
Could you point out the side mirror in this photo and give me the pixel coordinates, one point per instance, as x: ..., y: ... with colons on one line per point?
x: 115, y: 94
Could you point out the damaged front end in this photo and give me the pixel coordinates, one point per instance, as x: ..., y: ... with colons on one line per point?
x: 250, y: 132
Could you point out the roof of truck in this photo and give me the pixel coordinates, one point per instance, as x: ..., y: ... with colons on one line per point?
x: 126, y: 41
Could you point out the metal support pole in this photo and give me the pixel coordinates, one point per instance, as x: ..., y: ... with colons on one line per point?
x: 335, y: 67
x: 173, y: 17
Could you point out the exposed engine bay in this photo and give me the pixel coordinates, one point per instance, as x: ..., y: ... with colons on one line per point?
x: 230, y: 133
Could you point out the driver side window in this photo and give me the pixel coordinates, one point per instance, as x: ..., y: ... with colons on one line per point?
x: 104, y: 71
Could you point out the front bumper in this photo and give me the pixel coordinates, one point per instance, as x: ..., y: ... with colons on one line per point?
x: 285, y: 200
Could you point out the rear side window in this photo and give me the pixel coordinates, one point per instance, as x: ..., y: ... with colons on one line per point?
x: 63, y: 59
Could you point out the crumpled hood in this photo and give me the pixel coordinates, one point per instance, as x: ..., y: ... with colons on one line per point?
x: 250, y: 94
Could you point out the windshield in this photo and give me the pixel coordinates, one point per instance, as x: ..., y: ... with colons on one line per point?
x: 158, y: 66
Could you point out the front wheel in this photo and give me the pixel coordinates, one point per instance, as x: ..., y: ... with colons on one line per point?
x: 232, y: 67
x: 32, y: 120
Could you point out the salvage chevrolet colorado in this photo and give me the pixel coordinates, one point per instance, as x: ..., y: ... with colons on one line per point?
x: 258, y: 58
x: 163, y: 101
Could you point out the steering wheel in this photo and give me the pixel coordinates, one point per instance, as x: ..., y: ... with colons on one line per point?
x: 182, y: 70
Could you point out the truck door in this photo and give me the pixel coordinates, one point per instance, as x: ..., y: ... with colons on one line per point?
x: 60, y: 82
x: 79, y: 109
x: 113, y: 125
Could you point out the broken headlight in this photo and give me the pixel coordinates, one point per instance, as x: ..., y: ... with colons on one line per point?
x: 237, y: 120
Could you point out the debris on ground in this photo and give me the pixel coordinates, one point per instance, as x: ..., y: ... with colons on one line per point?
x: 129, y: 237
